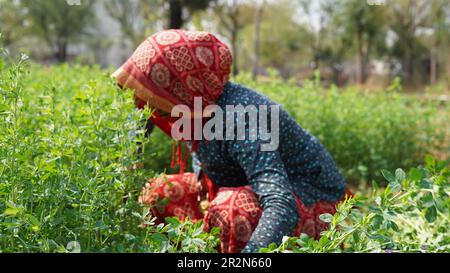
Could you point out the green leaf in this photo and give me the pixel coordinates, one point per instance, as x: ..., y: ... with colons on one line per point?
x: 416, y: 174
x: 388, y: 176
x: 272, y: 246
x: 158, y: 237
x: 323, y: 241
x: 394, y: 226
x: 395, y: 186
x: 326, y: 217
x: 80, y: 96
x: 440, y: 205
x: 215, y: 231
x: 427, y: 200
x: 378, y: 200
x: 33, y: 220
x: 198, y: 242
x: 11, y: 212
x: 129, y: 237
x: 197, y: 232
x: 442, y: 165
x: 400, y: 175
x: 4, y: 108
x: 426, y: 184
x: 430, y: 163
x: 173, y: 220
x: 430, y: 214
x: 73, y: 247
x: 376, y: 236
x: 377, y: 221
x: 136, y: 215
x: 355, y: 237
x: 375, y: 185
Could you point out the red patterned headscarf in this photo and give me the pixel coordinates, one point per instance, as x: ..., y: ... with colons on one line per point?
x: 172, y: 67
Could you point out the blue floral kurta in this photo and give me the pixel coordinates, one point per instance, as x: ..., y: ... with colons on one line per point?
x: 300, y: 165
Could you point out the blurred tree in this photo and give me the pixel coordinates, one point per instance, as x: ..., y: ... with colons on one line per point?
x: 137, y: 18
x: 439, y: 24
x: 315, y: 17
x: 58, y: 23
x: 364, y: 26
x: 11, y: 22
x: 282, y: 40
x: 256, y: 39
x: 333, y: 47
x: 176, y: 19
x: 297, y: 37
x: 233, y: 16
x: 181, y: 10
x: 406, y: 17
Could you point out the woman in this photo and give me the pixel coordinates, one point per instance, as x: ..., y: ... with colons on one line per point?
x: 257, y: 196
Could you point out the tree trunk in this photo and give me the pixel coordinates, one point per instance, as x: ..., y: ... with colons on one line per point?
x: 360, y: 71
x: 365, y: 63
x: 433, y: 63
x: 234, y: 35
x: 316, y: 58
x: 61, y: 52
x: 408, y: 63
x: 256, y: 41
x: 175, y: 14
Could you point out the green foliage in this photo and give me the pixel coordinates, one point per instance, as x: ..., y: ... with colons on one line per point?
x: 411, y: 46
x: 65, y: 153
x: 364, y: 131
x: 11, y: 22
x: 57, y: 23
x: 136, y: 19
x: 410, y: 215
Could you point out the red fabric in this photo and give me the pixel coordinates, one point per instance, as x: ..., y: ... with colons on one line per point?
x: 177, y: 65
x: 236, y: 210
x: 174, y: 66
x: 183, y: 64
x: 179, y: 191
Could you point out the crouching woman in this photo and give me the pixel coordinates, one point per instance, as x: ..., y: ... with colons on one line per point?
x: 256, y: 195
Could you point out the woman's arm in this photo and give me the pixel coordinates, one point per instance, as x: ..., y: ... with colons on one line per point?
x: 268, y: 178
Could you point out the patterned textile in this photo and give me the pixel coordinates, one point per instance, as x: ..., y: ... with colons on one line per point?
x: 301, y: 166
x: 235, y: 210
x: 172, y: 67
x: 173, y: 195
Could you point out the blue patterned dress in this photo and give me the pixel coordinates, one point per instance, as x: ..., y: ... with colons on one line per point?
x: 301, y: 165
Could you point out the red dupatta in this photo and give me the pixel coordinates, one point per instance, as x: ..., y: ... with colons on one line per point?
x: 172, y: 67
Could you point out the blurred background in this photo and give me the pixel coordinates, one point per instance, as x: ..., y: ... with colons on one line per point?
x: 351, y: 42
